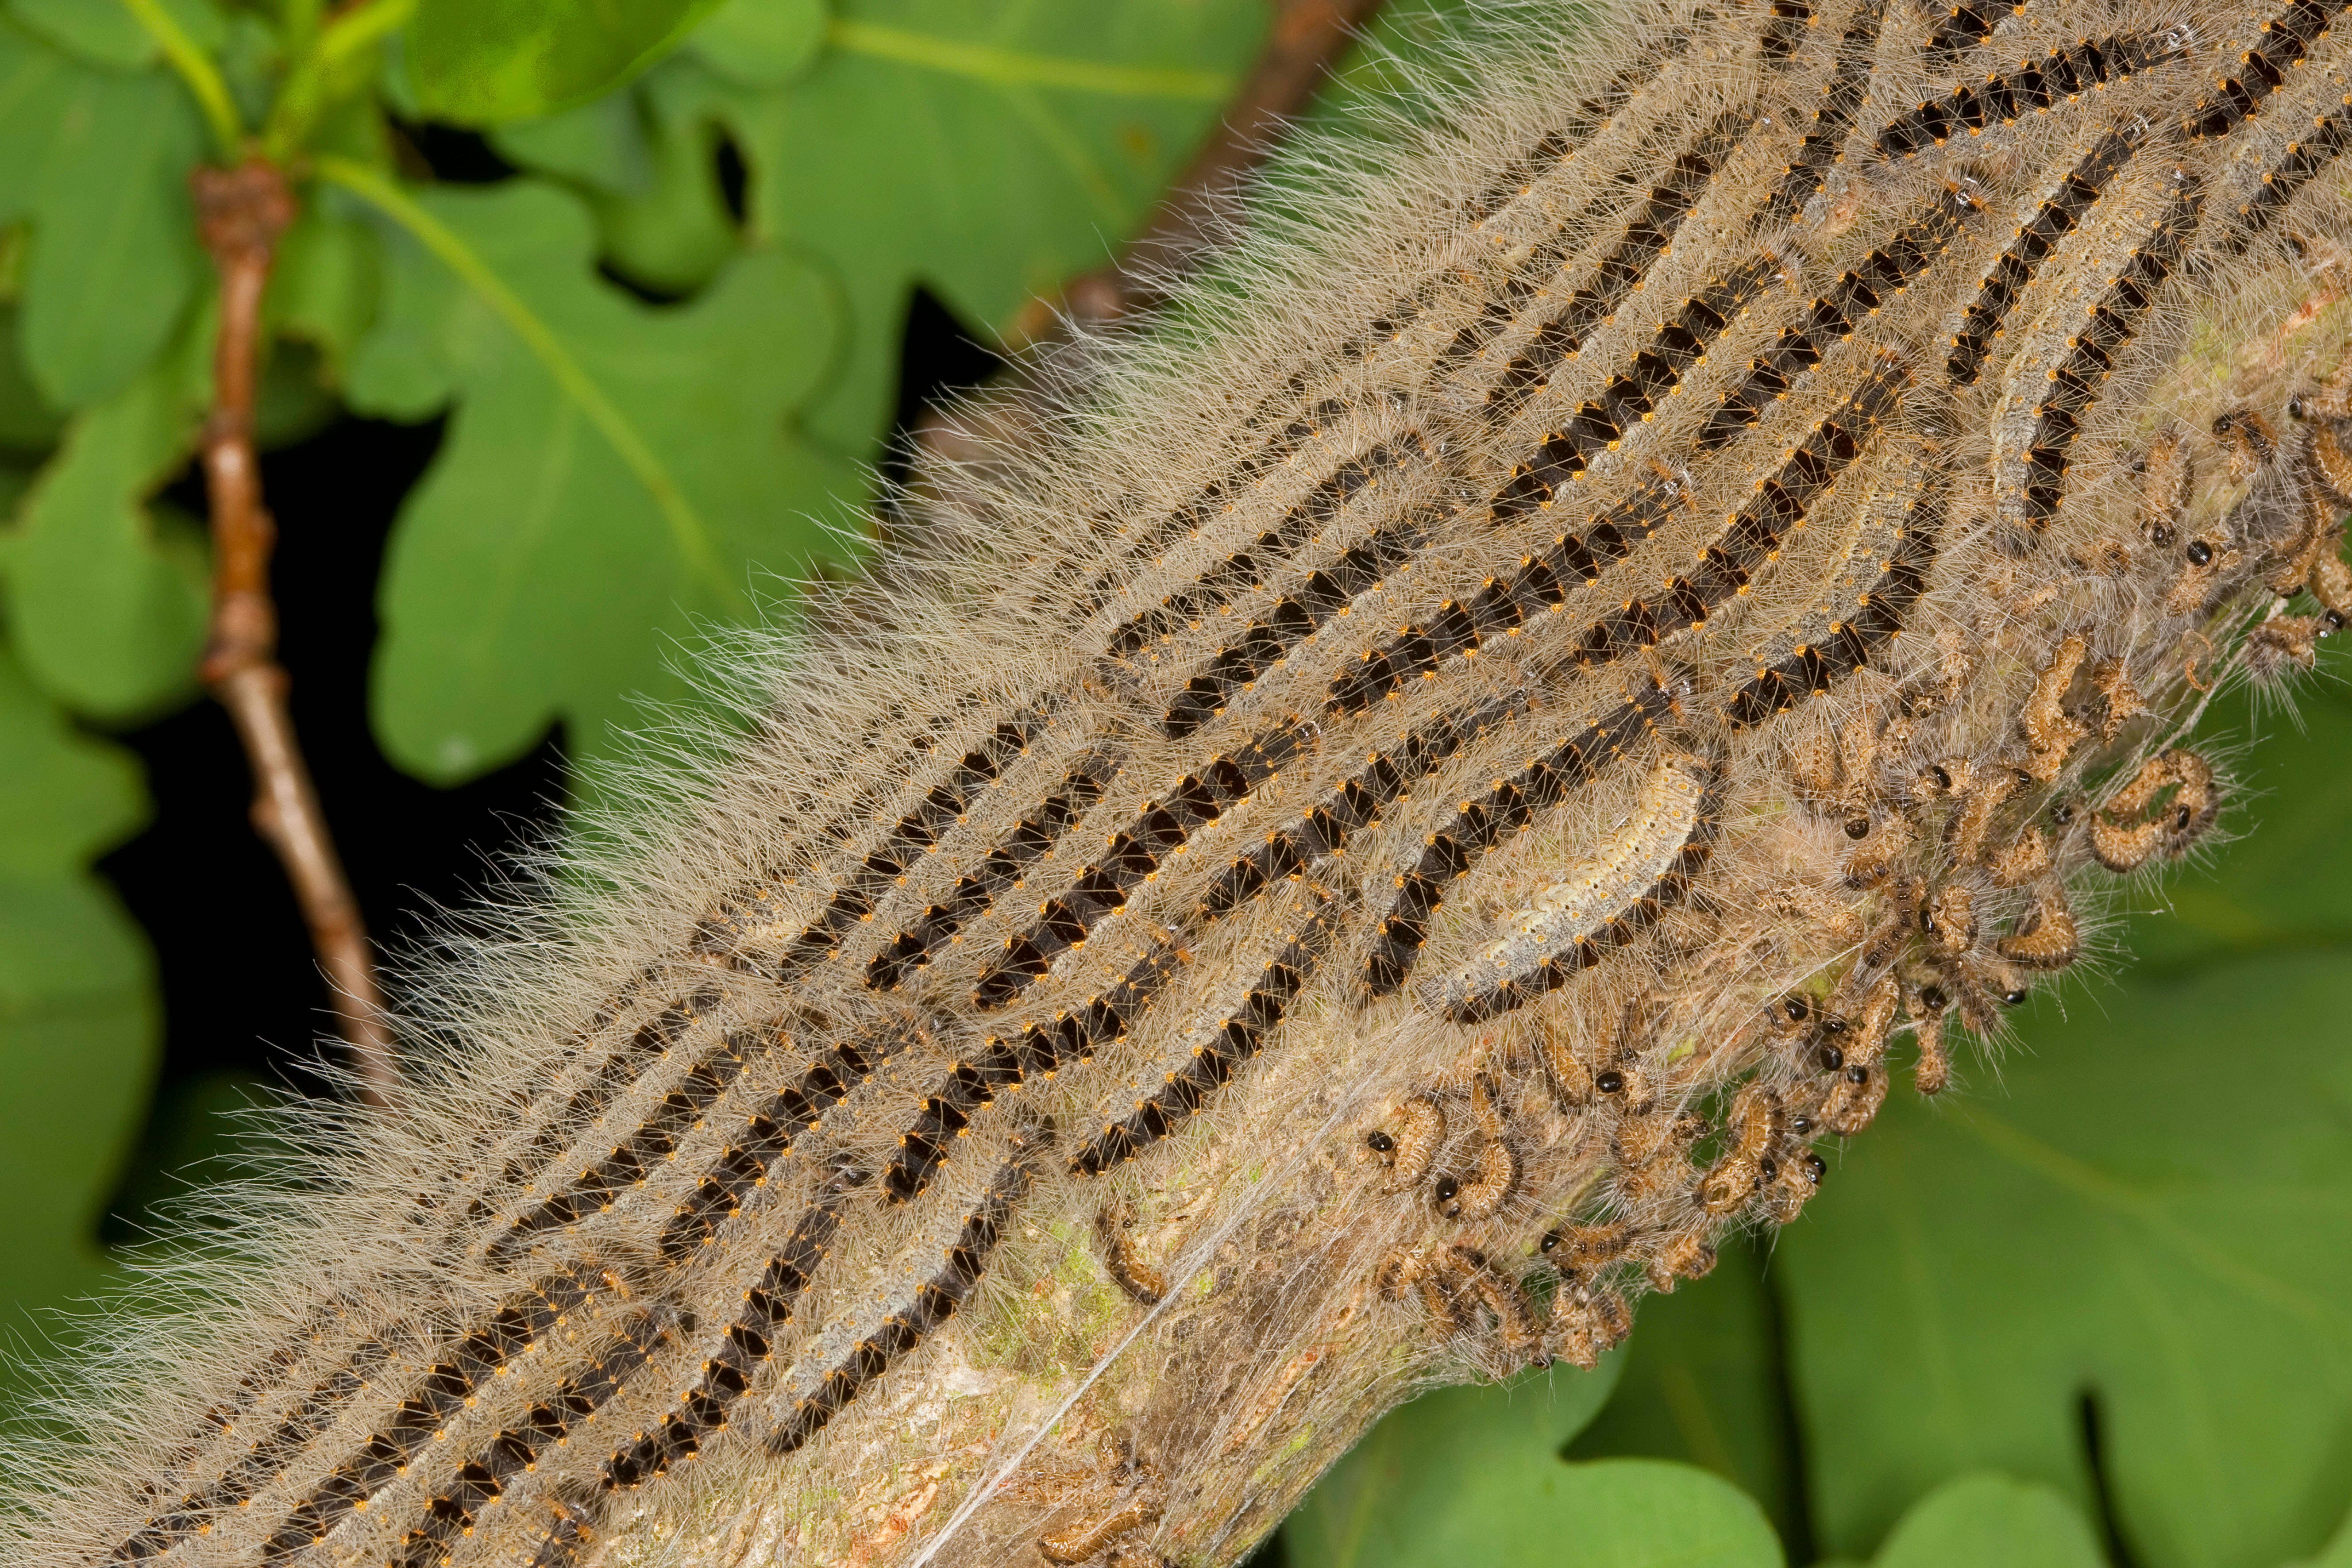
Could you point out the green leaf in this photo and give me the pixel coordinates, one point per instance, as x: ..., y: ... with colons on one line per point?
x: 252, y: 65
x: 1387, y: 1500
x: 2337, y: 1553
x: 1990, y: 1519
x: 327, y: 281
x: 661, y: 219
x: 483, y: 62
x: 27, y: 423
x: 295, y: 399
x: 200, y: 1132
x: 2261, y: 893
x: 78, y: 1055
x: 99, y: 163
x: 611, y: 473
x: 2151, y: 1215
x: 70, y: 797
x: 676, y: 235
x: 987, y: 152
x: 600, y: 146
x: 107, y: 595
x: 104, y: 33
x: 79, y: 1017
x: 1701, y: 1385
x: 761, y: 43
x: 1479, y: 1482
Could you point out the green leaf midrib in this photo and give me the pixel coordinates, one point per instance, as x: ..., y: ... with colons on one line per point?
x: 689, y: 531
x: 1018, y: 68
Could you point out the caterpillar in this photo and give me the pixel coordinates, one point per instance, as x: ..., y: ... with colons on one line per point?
x: 1648, y: 590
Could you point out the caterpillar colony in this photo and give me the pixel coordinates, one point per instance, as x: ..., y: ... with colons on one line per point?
x: 1651, y: 594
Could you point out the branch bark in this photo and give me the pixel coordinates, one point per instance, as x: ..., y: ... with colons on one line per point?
x: 241, y: 213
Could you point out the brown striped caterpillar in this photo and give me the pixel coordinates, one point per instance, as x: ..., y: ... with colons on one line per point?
x: 1639, y: 592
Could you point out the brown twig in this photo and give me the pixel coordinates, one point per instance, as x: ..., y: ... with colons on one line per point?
x: 1307, y: 36
x: 240, y: 214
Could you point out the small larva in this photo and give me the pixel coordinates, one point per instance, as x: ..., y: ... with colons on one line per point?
x: 1084, y: 1540
x: 1123, y: 1260
x: 1688, y: 552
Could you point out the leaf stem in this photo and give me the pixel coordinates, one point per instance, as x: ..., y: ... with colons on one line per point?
x: 686, y: 527
x: 1012, y: 68
x: 357, y: 28
x: 319, y: 72
x: 196, y: 70
x: 299, y: 23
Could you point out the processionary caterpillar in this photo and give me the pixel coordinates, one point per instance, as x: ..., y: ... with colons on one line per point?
x: 1695, y: 543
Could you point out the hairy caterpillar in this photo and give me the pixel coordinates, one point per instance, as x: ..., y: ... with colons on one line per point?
x: 1637, y: 593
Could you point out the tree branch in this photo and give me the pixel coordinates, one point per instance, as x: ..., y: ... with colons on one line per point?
x: 240, y: 213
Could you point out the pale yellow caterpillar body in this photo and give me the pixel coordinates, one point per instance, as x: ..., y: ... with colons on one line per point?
x: 1387, y: 808
x: 1664, y: 839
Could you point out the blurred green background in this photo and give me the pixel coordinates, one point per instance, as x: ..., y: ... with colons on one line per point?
x: 597, y: 320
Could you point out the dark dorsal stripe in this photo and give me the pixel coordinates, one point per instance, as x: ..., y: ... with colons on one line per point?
x: 1519, y: 286
x: 466, y: 1363
x: 750, y: 1342
x: 1620, y: 929
x: 1887, y: 271
x: 1879, y: 617
x: 482, y: 1479
x: 1326, y: 592
x: 2035, y: 87
x: 1031, y: 840
x: 1633, y: 393
x: 1505, y: 605
x: 912, y: 837
x: 651, y: 1142
x: 1038, y: 1051
x: 1533, y: 276
x: 1250, y: 566
x: 1646, y: 236
x: 934, y: 1303
x: 1751, y: 536
x: 1481, y: 824
x: 1557, y: 145
x: 1160, y: 828
x: 1214, y: 1063
x: 1526, y: 280
x: 1841, y: 98
x: 1727, y: 565
x: 749, y: 916
x: 262, y: 1462
x: 1210, y: 499
x: 768, y: 1134
x: 2281, y: 44
x: 1385, y: 778
x: 1785, y: 30
x: 2076, y: 384
x: 646, y: 1044
x: 2004, y: 283
x: 1519, y: 176
x: 1748, y: 540
x: 2286, y: 179
x: 1969, y: 24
